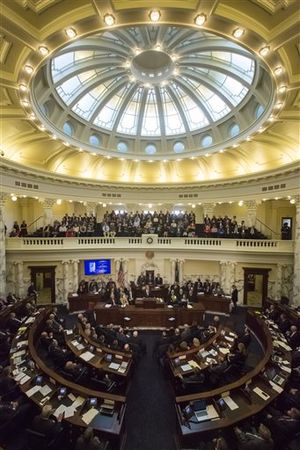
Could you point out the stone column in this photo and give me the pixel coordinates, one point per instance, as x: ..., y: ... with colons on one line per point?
x: 47, y: 204
x: 173, y: 262
x: 296, y: 281
x: 208, y: 209
x: 278, y: 285
x: 251, y: 212
x: 287, y: 280
x: 91, y: 208
x: 223, y: 276
x: 75, y: 284
x: 20, y: 278
x: 3, y: 198
x: 180, y: 266
x: 66, y: 265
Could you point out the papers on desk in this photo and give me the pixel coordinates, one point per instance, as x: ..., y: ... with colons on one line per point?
x: 189, y: 306
x: 286, y: 369
x: 68, y: 411
x: 230, y: 403
x: 87, y: 356
x: 170, y: 306
x: 114, y: 366
x: 68, y: 332
x: 123, y: 367
x: 29, y: 320
x: 276, y: 387
x: 59, y: 410
x: 186, y: 367
x: 193, y: 364
x: 283, y: 345
x: 33, y: 391
x: 19, y: 376
x: 25, y: 379
x: 213, y: 352
x: 22, y: 343
x: 229, y: 339
x: 45, y: 390
x: 19, y: 353
x: 90, y: 415
x: 212, y: 412
x: 78, y: 402
x: 261, y: 393
x: 108, y: 305
x: 211, y: 361
x: 224, y: 350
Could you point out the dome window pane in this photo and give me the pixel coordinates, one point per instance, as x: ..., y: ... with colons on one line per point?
x: 259, y: 110
x: 150, y: 149
x: 94, y: 140
x: 179, y: 147
x: 68, y: 128
x: 206, y: 141
x: 234, y: 130
x: 122, y: 147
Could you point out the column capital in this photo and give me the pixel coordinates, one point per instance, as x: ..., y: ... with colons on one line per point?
x: 3, y: 198
x: 47, y: 202
x: 251, y: 204
x: 66, y: 262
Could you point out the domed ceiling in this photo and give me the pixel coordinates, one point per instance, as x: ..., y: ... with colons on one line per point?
x: 136, y: 100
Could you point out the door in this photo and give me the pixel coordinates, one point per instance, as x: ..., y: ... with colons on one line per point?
x: 44, y: 280
x: 255, y: 286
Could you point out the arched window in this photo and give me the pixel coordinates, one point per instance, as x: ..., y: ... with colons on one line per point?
x: 179, y: 147
x: 68, y: 128
x: 234, y: 130
x: 258, y: 111
x: 207, y: 141
x: 94, y: 139
x: 150, y: 149
x: 122, y: 147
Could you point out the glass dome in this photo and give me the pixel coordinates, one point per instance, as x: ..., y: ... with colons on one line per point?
x: 156, y: 83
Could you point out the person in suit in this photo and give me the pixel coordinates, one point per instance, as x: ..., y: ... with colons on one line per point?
x: 87, y: 441
x: 260, y: 439
x: 283, y: 426
x: 146, y: 291
x: 13, y: 323
x: 283, y: 323
x: 47, y: 425
x: 234, y: 297
x: 31, y: 291
x: 158, y: 281
x: 293, y: 337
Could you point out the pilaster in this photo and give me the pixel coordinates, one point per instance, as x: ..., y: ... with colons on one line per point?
x: 3, y: 198
x: 47, y: 204
x: 296, y: 280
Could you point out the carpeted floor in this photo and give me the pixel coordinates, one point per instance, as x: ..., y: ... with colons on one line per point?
x: 150, y: 417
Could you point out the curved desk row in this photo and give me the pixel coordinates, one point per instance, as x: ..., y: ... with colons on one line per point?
x: 251, y: 393
x: 25, y: 360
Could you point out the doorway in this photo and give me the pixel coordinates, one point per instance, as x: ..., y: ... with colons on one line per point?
x: 44, y: 281
x: 255, y: 286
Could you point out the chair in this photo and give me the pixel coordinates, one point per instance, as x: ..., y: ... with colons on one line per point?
x: 37, y: 441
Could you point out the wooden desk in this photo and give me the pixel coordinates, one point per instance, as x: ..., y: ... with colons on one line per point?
x: 248, y: 404
x: 110, y: 426
x: 81, y: 302
x: 214, y: 304
x: 136, y: 317
x: 293, y: 315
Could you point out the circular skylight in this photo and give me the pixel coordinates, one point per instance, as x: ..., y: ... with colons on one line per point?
x: 154, y: 82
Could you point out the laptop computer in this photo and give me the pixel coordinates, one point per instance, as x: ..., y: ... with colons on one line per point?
x: 201, y: 415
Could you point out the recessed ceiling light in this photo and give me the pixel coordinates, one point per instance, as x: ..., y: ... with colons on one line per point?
x: 221, y: 151
x: 127, y: 64
x: 121, y: 159
x: 261, y: 129
x: 25, y: 103
x: 278, y: 70
x: 154, y: 15
x: 207, y: 155
x: 235, y: 146
x: 54, y: 137
x: 94, y: 154
x: 80, y: 150
x: 200, y: 20
x: 164, y: 83
x: 42, y: 128
x: 23, y: 88
x: 193, y: 157
x: 165, y: 160
x: 150, y: 160
x: 271, y: 118
x: 178, y: 159
x: 175, y: 72
x: 241, y: 203
x: 264, y: 51
x: 108, y: 157
x: 14, y: 198
x: 66, y: 144
x: 158, y: 48
x: 28, y: 69
x: 109, y: 20
x: 238, y: 32
x: 136, y: 160
x: 174, y: 57
x: 43, y: 50
x: 137, y: 51
x: 70, y: 32
x: 292, y: 201
x: 132, y: 79
x: 58, y: 201
x: 278, y: 104
x: 248, y: 138
x: 32, y: 116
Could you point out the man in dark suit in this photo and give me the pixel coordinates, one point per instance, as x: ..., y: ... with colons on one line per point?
x: 158, y: 280
x: 293, y: 337
x: 13, y: 323
x: 234, y: 297
x: 47, y: 425
x: 283, y: 426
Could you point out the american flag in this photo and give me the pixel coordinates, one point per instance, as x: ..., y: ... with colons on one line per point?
x: 121, y: 275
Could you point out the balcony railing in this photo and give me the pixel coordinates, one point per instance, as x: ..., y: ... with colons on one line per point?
x: 149, y: 242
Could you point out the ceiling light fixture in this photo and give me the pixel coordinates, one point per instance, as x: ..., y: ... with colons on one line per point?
x: 200, y: 19
x: 282, y: 89
x: 278, y: 105
x: 278, y: 70
x: 66, y: 144
x: 70, y: 32
x: 264, y: 51
x: 23, y: 88
x: 25, y: 103
x: 54, y: 137
x: 43, y: 50
x: 14, y: 198
x: 28, y: 69
x: 32, y: 116
x: 292, y: 201
x: 109, y: 20
x: 154, y: 15
x: 238, y: 32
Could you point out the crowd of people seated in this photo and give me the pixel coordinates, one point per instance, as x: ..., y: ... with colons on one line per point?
x: 164, y: 224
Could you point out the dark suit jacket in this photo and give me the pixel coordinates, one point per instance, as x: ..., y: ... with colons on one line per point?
x: 234, y: 296
x: 47, y: 426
